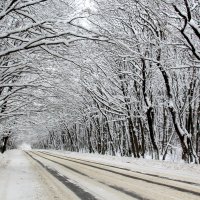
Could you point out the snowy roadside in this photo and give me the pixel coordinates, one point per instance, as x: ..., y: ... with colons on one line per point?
x: 17, y: 179
x: 3, y: 160
x: 180, y: 171
x: 22, y: 179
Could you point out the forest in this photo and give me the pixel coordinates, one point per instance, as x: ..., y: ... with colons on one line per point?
x: 116, y: 77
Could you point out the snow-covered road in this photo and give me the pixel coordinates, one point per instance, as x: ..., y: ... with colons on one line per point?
x: 21, y: 178
x: 46, y: 175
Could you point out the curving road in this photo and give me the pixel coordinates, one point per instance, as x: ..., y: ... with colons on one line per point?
x: 87, y: 180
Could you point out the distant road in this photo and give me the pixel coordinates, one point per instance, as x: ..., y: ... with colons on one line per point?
x: 87, y: 180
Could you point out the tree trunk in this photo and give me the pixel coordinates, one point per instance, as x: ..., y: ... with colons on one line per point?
x: 185, y: 138
x: 4, y: 146
x: 150, y: 112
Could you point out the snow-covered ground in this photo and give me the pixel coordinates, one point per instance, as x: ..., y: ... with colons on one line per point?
x: 26, y: 177
x: 3, y: 160
x: 102, y: 177
x: 21, y: 179
x: 169, y: 169
x: 17, y: 178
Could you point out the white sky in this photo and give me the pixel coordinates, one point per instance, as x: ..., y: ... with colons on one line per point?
x: 88, y: 4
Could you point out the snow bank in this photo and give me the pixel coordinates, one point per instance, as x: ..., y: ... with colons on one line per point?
x: 163, y: 168
x: 3, y: 160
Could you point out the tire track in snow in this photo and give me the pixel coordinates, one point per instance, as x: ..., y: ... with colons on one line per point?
x: 82, y: 194
x: 132, y: 194
x: 125, y: 175
x: 121, y: 168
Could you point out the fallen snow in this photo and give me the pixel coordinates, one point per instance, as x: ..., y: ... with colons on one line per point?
x: 182, y: 171
x: 19, y: 179
x: 3, y: 161
x: 18, y: 175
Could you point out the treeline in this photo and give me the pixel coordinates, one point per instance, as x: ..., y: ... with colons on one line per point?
x: 139, y: 87
x: 116, y: 77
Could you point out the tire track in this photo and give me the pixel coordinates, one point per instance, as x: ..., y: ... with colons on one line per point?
x: 129, y: 193
x: 126, y: 175
x: 82, y: 194
x: 121, y: 168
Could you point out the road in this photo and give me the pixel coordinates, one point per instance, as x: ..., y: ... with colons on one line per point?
x: 80, y: 179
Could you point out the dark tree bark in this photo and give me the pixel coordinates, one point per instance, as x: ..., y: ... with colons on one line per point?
x: 4, y: 141
x: 91, y: 150
x: 185, y: 138
x: 133, y: 138
x: 150, y: 112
